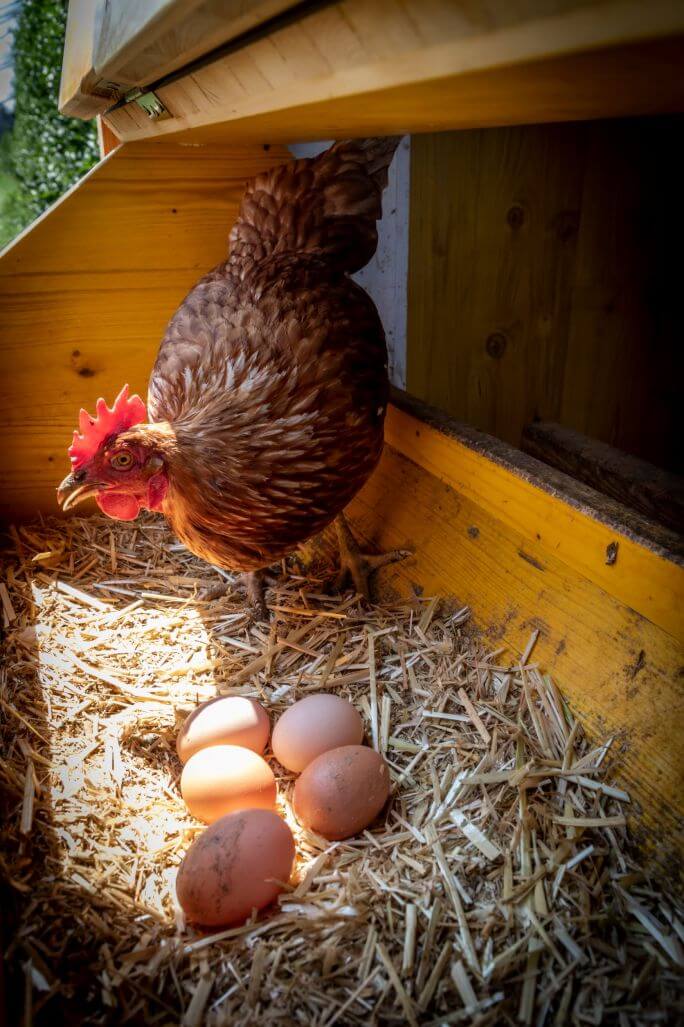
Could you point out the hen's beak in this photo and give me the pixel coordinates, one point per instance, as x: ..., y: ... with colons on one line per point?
x: 73, y: 491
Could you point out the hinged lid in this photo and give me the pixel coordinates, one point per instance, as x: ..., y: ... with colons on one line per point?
x: 113, y: 46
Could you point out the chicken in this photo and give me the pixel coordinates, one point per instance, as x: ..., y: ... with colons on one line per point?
x: 267, y: 400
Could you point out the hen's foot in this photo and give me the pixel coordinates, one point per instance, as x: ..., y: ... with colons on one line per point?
x: 357, y: 565
x: 217, y: 591
x: 255, y: 583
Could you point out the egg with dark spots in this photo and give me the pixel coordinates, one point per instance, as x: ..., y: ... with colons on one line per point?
x: 342, y: 791
x: 240, y: 863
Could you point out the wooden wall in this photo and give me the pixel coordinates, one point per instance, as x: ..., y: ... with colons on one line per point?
x: 86, y: 293
x: 544, y: 282
x: 525, y: 548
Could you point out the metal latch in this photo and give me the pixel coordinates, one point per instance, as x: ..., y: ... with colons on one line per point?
x: 153, y: 107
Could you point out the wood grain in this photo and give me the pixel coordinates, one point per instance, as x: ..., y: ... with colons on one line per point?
x: 646, y: 578
x: 87, y: 291
x: 110, y: 48
x: 541, y: 281
x: 105, y: 137
x: 140, y: 43
x: 653, y: 492
x: 491, y: 265
x: 358, y: 68
x: 80, y: 92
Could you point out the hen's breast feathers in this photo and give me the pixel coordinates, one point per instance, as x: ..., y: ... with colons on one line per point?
x: 273, y: 372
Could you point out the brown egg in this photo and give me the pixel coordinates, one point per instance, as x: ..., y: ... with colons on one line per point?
x: 312, y: 726
x: 226, y: 778
x: 342, y: 791
x: 235, y: 866
x: 228, y: 720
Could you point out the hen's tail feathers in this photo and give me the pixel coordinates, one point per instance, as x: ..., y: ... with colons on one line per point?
x: 326, y: 206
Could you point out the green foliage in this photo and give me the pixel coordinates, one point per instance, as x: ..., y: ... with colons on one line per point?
x: 46, y: 153
x: 9, y: 200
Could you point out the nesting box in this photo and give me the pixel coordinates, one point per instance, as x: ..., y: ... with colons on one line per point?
x: 507, y: 249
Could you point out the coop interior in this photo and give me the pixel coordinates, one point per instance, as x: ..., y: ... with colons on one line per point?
x: 519, y: 673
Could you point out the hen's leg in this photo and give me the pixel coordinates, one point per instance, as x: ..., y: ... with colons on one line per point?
x: 255, y: 584
x: 357, y: 565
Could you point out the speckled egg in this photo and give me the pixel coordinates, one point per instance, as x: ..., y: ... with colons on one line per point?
x: 238, y: 864
x: 227, y: 720
x: 226, y: 778
x: 341, y: 792
x: 312, y: 726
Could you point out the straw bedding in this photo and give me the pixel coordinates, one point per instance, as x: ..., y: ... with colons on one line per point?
x: 499, y: 887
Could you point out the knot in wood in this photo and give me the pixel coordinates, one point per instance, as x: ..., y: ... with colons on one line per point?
x: 496, y: 345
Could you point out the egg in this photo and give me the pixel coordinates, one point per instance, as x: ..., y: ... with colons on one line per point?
x: 342, y: 791
x: 226, y: 778
x: 238, y: 864
x: 228, y: 720
x: 312, y: 726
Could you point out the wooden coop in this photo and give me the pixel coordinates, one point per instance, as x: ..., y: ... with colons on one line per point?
x: 533, y: 445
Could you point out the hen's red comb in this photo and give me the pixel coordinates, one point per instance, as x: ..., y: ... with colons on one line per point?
x: 94, y: 430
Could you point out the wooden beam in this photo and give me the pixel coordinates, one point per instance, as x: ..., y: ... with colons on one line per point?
x: 81, y: 94
x: 551, y: 512
x: 487, y: 528
x: 359, y: 68
x: 105, y: 137
x: 655, y: 493
x: 88, y: 289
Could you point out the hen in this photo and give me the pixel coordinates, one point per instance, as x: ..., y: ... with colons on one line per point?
x: 268, y: 396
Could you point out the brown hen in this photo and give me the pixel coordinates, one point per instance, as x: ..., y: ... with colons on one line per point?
x: 268, y: 396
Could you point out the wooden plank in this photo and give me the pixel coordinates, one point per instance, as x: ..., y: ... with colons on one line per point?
x: 413, y: 66
x: 556, y: 517
x: 87, y: 291
x: 648, y: 489
x: 553, y: 294
x: 491, y: 271
x: 111, y: 48
x: 81, y: 93
x: 618, y: 669
x: 106, y: 138
x: 140, y: 43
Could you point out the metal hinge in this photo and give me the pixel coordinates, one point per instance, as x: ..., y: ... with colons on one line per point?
x: 152, y: 105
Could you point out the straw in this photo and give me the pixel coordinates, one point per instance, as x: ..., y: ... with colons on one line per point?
x: 500, y: 885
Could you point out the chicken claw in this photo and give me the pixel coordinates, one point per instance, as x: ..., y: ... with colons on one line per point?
x: 255, y: 583
x: 357, y: 565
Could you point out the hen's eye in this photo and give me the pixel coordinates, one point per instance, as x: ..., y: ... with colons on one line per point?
x: 121, y: 461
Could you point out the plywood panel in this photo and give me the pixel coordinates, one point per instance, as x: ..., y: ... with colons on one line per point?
x: 359, y: 68
x: 541, y: 280
x: 86, y: 293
